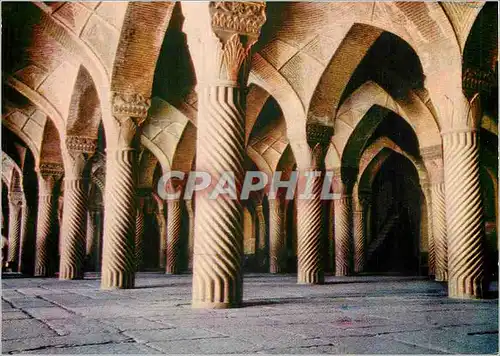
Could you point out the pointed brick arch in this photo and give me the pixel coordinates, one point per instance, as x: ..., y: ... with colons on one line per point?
x: 413, y: 111
x: 50, y: 151
x: 142, y: 34
x: 84, y: 114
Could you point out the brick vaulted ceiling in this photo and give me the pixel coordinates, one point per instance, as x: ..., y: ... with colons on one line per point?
x: 310, y: 59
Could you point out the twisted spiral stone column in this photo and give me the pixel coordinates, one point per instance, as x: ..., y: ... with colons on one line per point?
x: 426, y: 230
x: 218, y: 247
x: 74, y: 229
x: 93, y: 239
x: 464, y: 215
x: 15, y: 207
x: 223, y: 36
x: 190, y: 212
x: 343, y: 229
x: 173, y: 236
x: 23, y: 239
x: 118, y: 265
x: 45, y: 225
x: 309, y: 236
x: 162, y: 227
x: 331, y: 238
x: 139, y: 233
x: 359, y: 241
x: 277, y: 248
x: 261, y: 242
x: 439, y: 232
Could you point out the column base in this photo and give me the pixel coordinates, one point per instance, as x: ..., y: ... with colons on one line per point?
x: 42, y: 272
x: 276, y: 270
x: 117, y: 281
x: 342, y: 272
x: 214, y: 305
x: 441, y: 277
x: 311, y: 280
x: 460, y: 290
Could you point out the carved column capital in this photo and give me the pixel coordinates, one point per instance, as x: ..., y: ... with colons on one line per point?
x: 226, y: 49
x: 132, y: 106
x: 49, y: 174
x: 16, y: 198
x: 130, y: 110
x: 318, y: 138
x: 79, y: 151
x: 78, y: 144
x: 245, y: 18
x: 47, y: 170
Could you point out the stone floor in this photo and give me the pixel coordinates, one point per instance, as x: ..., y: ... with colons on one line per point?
x: 388, y: 315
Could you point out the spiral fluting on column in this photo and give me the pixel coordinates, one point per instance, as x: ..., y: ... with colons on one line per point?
x: 162, y: 227
x: 431, y: 254
x: 23, y: 236
x: 218, y: 244
x: 439, y: 232
x: 14, y: 234
x: 343, y: 225
x: 74, y: 230
x: 139, y: 235
x: 261, y: 242
x: 359, y: 241
x: 91, y: 242
x: 46, y: 216
x: 190, y: 212
x: 277, y: 248
x: 464, y: 215
x: 118, y: 260
x: 173, y: 236
x: 309, y: 236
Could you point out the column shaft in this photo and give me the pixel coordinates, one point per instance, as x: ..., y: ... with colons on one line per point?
x: 92, y: 245
x: 23, y: 239
x: 309, y: 236
x: 261, y: 242
x: 162, y: 227
x: 139, y: 234
x: 218, y: 245
x: 190, y: 212
x: 439, y: 232
x: 73, y: 231
x: 45, y: 224
x: 343, y: 230
x: 118, y: 265
x: 15, y: 208
x: 173, y: 236
x: 359, y: 241
x: 464, y: 215
x: 277, y: 243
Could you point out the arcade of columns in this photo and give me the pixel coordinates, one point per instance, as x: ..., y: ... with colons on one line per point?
x: 223, y: 40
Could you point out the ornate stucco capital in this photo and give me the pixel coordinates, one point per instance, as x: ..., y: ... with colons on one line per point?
x: 318, y: 138
x: 49, y: 174
x: 79, y: 151
x: 244, y: 18
x: 130, y: 110
x: 16, y: 198
x: 235, y: 28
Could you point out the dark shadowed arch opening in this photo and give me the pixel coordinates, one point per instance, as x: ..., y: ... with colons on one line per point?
x: 394, y: 238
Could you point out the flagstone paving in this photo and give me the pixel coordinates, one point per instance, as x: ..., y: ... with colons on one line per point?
x: 365, y: 314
